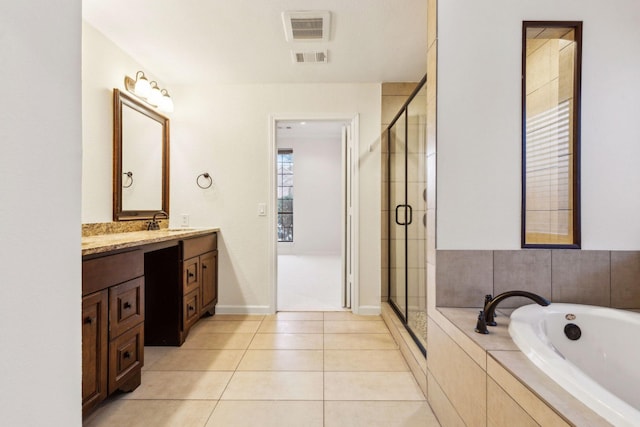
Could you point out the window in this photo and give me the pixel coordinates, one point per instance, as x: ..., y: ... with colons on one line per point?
x: 551, y: 53
x: 285, y: 195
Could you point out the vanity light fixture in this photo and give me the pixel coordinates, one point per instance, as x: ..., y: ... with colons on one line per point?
x: 155, y: 96
x: 167, y: 103
x: 142, y: 87
x: 149, y: 92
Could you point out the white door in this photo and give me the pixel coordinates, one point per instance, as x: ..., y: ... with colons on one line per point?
x: 347, y: 222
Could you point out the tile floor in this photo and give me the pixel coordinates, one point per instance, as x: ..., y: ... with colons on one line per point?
x: 290, y: 369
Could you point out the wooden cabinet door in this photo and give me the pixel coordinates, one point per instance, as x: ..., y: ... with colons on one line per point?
x: 126, y: 304
x: 209, y: 265
x: 191, y: 275
x: 190, y: 309
x: 94, y: 349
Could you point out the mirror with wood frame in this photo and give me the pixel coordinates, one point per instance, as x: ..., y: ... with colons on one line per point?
x: 140, y: 160
x: 551, y: 70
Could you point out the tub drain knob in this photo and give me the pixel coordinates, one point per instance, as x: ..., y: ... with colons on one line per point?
x: 572, y: 331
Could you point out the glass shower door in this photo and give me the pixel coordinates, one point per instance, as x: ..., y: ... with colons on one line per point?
x: 417, y: 229
x: 400, y: 215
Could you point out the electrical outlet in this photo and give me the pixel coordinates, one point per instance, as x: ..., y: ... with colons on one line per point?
x: 184, y: 220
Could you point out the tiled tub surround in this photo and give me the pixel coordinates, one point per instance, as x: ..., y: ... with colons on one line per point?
x: 604, y: 278
x: 484, y: 380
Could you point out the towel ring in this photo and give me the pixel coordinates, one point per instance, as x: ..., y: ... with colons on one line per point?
x: 130, y: 176
x: 205, y: 176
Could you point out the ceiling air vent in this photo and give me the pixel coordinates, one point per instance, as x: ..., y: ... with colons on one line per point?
x: 309, y: 57
x: 306, y: 25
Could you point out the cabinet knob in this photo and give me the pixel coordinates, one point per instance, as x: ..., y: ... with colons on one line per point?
x: 127, y: 304
x: 88, y: 320
x: 126, y: 355
x: 190, y: 308
x: 190, y: 274
x: 204, y: 266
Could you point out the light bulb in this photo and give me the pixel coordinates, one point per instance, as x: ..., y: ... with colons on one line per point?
x: 155, y: 97
x: 167, y: 103
x: 142, y: 87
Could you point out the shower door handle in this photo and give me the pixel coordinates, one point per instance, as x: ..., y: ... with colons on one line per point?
x: 406, y: 222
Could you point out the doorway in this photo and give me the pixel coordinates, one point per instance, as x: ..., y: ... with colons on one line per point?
x: 312, y: 198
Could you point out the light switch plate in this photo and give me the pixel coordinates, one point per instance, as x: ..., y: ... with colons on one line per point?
x: 262, y: 209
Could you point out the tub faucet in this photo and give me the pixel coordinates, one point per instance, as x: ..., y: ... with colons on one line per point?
x: 153, y: 224
x: 486, y: 316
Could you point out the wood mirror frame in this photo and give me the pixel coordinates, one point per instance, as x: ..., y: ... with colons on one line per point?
x: 121, y: 99
x: 551, y: 86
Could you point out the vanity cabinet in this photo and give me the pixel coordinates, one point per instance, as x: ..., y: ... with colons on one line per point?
x: 94, y: 348
x: 112, y: 325
x: 199, y: 278
x: 144, y: 294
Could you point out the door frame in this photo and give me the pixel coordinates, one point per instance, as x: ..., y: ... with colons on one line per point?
x: 272, y: 214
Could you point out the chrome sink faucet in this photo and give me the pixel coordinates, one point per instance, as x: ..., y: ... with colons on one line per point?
x: 487, y: 314
x: 153, y: 224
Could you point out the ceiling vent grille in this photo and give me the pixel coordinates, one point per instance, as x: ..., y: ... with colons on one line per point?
x: 307, y: 26
x: 310, y: 57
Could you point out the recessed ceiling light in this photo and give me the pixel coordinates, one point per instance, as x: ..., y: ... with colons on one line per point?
x: 303, y: 123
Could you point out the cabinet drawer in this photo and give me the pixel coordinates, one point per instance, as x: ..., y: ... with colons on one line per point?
x: 191, y: 309
x: 126, y: 306
x: 100, y: 273
x: 94, y: 349
x: 199, y: 245
x: 190, y: 275
x: 126, y: 357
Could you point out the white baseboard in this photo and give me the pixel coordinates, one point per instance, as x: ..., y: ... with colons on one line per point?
x: 243, y: 309
x: 369, y: 310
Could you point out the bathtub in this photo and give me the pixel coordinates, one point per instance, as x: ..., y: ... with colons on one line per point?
x: 601, y: 368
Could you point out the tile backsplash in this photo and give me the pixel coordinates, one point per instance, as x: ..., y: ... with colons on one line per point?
x: 118, y: 227
x: 604, y: 278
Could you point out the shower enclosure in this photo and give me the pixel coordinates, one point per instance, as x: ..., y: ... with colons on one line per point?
x: 407, y: 231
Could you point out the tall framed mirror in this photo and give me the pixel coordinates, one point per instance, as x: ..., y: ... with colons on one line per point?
x: 140, y: 160
x: 551, y: 75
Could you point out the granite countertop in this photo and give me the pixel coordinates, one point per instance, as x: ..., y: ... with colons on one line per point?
x: 110, y: 242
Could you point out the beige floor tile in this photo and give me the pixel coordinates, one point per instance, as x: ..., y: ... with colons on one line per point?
x: 359, y: 342
x: 378, y: 414
x: 349, y: 327
x: 145, y: 413
x: 371, y: 386
x: 226, y: 326
x: 286, y: 342
x: 295, y: 315
x: 217, y: 341
x: 281, y: 360
x: 291, y: 327
x: 153, y: 354
x: 183, y: 385
x: 199, y: 360
x: 274, y: 386
x: 227, y: 317
x: 347, y: 315
x: 269, y: 413
x: 364, y: 360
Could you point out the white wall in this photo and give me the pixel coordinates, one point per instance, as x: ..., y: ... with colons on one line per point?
x: 224, y: 130
x: 317, y: 196
x: 40, y: 130
x: 479, y: 121
x: 104, y: 66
